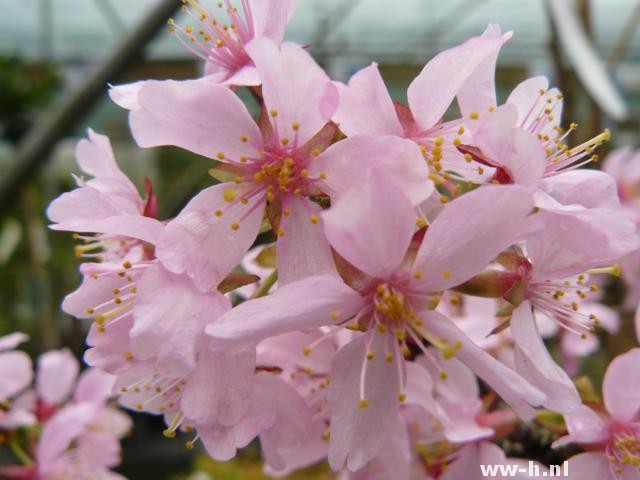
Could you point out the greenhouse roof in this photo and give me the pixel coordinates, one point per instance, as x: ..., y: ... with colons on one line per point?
x: 82, y: 30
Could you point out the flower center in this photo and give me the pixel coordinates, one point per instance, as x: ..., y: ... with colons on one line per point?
x: 214, y: 41
x: 623, y: 451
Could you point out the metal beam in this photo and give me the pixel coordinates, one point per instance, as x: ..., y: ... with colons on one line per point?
x: 35, y: 148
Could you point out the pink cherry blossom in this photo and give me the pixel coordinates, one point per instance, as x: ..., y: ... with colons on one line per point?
x: 276, y: 168
x: 391, y: 308
x: 107, y: 204
x: 366, y: 106
x: 612, y: 437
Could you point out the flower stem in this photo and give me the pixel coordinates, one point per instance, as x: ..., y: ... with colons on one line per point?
x: 20, y: 454
x: 267, y: 284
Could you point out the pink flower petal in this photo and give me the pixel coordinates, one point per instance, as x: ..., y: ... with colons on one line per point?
x: 534, y: 363
x: 358, y: 434
x: 308, y: 303
x: 519, y: 152
x: 11, y: 341
x: 590, y: 465
x: 270, y: 17
x: 126, y: 95
x: 371, y: 225
x: 622, y: 396
x: 96, y: 288
x: 589, y: 188
x: 16, y: 373
x: 246, y: 76
x: 191, y: 243
x: 291, y: 429
x: 197, y: 115
x: 478, y: 94
x: 222, y: 442
x: 571, y: 242
x: 63, y: 428
x: 366, y: 106
x: 445, y: 74
x: 88, y: 210
x: 394, y: 460
x: 513, y: 389
x: 346, y: 162
x: 469, y: 233
x: 585, y: 427
x: 302, y: 107
x: 170, y: 314
x: 110, y: 350
x: 219, y: 390
x: 304, y: 249
x: 95, y: 157
x: 94, y: 385
x: 56, y: 376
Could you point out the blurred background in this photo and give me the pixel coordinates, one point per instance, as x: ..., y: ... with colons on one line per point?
x: 57, y: 57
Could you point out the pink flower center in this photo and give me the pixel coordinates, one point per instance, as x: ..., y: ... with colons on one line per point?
x: 623, y: 451
x: 214, y: 41
x: 541, y: 121
x: 280, y: 170
x: 560, y: 300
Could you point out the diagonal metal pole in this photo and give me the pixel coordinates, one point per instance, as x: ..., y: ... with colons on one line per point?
x: 36, y: 146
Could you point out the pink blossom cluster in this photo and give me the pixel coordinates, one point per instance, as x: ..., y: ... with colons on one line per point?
x: 60, y: 424
x: 413, y: 256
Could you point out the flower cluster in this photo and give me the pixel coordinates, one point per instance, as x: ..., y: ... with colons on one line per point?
x: 61, y: 425
x: 410, y: 257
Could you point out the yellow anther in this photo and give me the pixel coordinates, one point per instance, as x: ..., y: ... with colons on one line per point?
x: 295, y: 126
x: 220, y: 155
x: 334, y: 314
x: 323, y: 176
x: 244, y: 138
x: 281, y: 232
x: 370, y: 355
x: 315, y: 219
x: 417, y: 274
x: 421, y: 222
x: 169, y: 433
x: 443, y: 374
x: 438, y: 141
x: 218, y: 213
x: 381, y: 328
x: 363, y: 403
x: 457, y: 141
x: 402, y: 397
x: 389, y: 357
x: 284, y: 141
x: 446, y: 274
x: 128, y: 356
x: 468, y: 157
x: 400, y: 334
x: 273, y: 112
x: 444, y: 199
x: 235, y: 226
x: 306, y: 351
x: 127, y: 264
x: 474, y: 115
x: 461, y: 130
x: 90, y: 311
x: 229, y: 194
